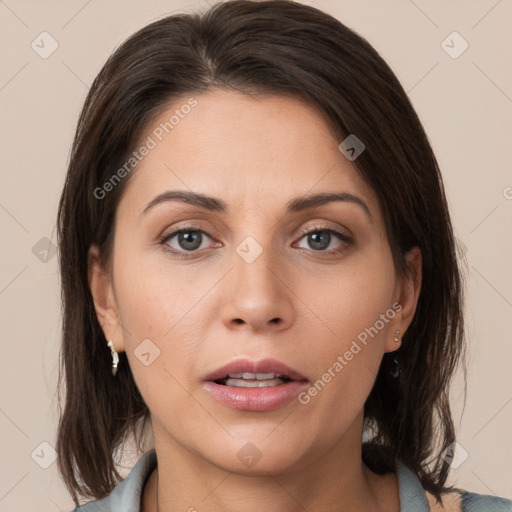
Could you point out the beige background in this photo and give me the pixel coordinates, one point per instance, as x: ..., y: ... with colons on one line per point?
x: 465, y: 104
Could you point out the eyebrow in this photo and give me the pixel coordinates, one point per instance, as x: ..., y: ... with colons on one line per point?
x: 218, y: 205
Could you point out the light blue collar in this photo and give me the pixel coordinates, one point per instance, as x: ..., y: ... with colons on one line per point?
x: 412, y: 494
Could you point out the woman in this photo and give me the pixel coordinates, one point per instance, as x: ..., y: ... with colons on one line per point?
x: 258, y: 266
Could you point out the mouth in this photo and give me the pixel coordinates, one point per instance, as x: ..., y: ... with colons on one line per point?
x: 255, y: 386
x: 253, y: 380
x: 249, y: 373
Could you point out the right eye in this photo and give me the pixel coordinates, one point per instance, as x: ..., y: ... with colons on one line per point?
x: 184, y: 240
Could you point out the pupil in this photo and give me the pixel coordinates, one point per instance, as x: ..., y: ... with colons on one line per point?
x: 319, y: 240
x: 189, y: 240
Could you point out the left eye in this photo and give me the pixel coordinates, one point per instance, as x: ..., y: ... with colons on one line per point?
x: 320, y: 240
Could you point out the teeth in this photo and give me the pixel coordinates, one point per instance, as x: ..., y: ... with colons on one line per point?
x: 253, y: 383
x: 254, y: 380
x: 253, y: 376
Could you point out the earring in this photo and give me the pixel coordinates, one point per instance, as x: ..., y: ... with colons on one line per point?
x: 115, y: 357
x: 395, y: 368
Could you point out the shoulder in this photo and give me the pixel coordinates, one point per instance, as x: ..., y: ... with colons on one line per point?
x: 414, y: 498
x: 473, y: 502
x: 95, y: 506
x: 465, y: 501
x: 126, y: 496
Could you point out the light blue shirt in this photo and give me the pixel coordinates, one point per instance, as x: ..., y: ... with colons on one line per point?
x: 127, y: 494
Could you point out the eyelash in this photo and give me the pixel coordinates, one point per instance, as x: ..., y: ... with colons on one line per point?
x: 348, y: 242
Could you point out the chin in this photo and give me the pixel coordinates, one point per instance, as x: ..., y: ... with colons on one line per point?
x: 259, y: 455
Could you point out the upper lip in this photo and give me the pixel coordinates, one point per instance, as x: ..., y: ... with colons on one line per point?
x: 250, y: 366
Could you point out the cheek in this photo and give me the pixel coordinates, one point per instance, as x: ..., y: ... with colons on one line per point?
x: 352, y: 310
x: 160, y: 342
x: 159, y: 323
x: 155, y: 299
x: 347, y: 361
x: 348, y: 299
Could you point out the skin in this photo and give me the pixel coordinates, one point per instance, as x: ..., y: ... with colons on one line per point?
x: 255, y: 153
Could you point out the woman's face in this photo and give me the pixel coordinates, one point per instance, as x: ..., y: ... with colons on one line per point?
x: 244, y: 283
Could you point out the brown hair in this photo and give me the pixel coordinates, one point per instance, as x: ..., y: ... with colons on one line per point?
x: 277, y: 47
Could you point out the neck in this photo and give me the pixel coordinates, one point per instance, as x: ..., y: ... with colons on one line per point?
x: 336, y: 480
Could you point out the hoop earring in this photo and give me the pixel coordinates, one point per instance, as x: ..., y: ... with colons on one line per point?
x: 115, y: 357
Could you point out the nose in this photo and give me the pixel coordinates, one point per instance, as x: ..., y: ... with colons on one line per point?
x: 257, y: 296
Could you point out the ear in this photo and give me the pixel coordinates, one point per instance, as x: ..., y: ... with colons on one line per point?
x: 407, y: 293
x: 105, y: 305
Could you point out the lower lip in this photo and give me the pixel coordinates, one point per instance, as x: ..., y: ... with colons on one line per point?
x: 256, y: 399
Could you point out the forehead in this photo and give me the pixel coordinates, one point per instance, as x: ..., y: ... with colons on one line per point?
x: 248, y: 150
